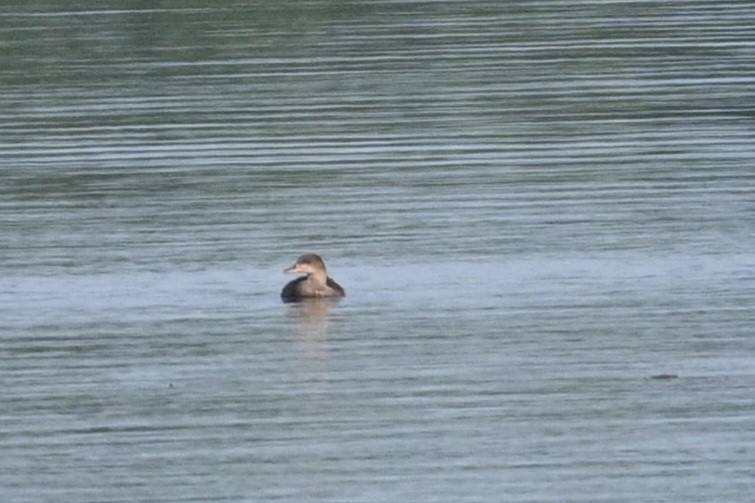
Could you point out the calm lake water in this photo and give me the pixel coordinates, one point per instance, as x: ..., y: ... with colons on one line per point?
x: 543, y: 214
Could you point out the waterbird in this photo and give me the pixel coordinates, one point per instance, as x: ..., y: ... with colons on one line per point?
x: 315, y: 284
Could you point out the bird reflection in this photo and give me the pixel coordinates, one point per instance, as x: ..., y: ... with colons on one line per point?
x: 313, y: 310
x: 313, y: 325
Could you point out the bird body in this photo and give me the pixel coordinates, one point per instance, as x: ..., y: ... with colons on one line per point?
x: 314, y: 284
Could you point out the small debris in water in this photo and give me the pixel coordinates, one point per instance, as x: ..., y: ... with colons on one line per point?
x: 664, y: 377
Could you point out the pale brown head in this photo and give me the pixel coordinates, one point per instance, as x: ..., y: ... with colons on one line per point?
x: 308, y: 264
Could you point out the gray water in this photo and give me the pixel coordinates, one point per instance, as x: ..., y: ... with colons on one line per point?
x: 542, y: 213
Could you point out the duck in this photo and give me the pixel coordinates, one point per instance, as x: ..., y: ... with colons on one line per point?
x: 314, y: 284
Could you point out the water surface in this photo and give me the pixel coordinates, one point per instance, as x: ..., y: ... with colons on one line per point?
x: 541, y: 212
